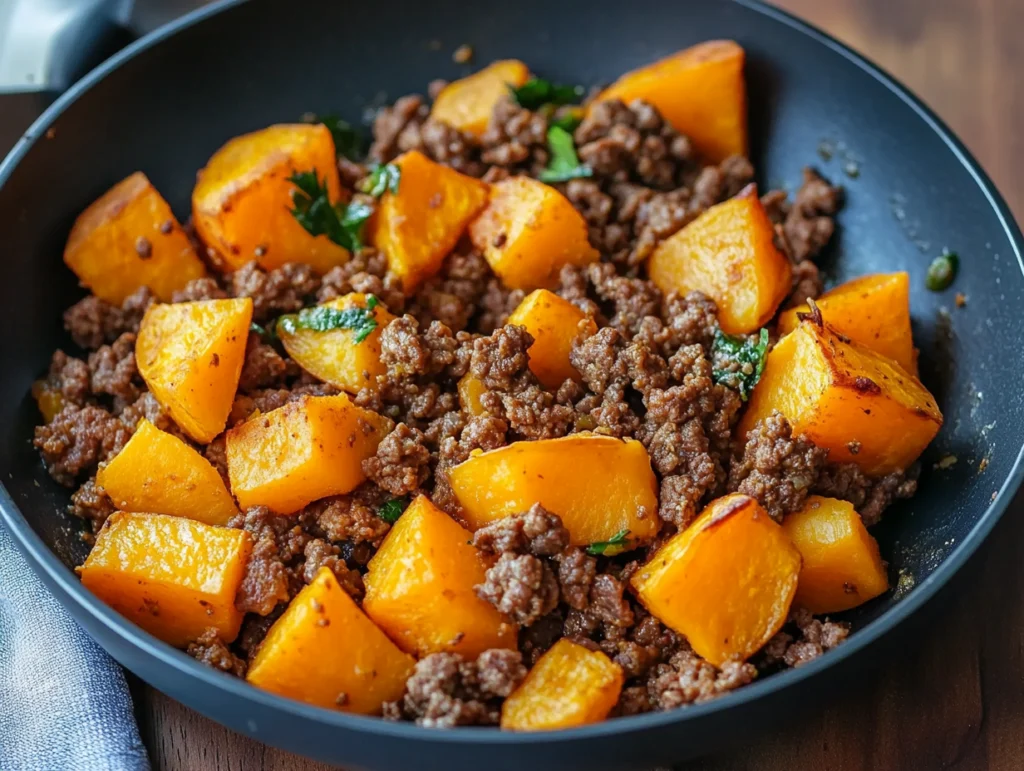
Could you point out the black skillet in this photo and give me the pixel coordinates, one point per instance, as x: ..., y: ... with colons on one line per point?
x: 166, y: 103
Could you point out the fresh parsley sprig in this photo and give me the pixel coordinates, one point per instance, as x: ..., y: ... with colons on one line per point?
x: 393, y: 509
x: 314, y: 211
x: 383, y: 178
x: 347, y: 140
x: 322, y: 318
x: 739, y: 361
x: 615, y: 545
x: 564, y: 164
x: 537, y: 92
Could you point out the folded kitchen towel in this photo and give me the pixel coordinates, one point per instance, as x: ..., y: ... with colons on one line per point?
x: 64, y: 703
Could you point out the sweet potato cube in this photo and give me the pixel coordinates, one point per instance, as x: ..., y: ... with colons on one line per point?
x: 242, y: 203
x: 471, y: 389
x: 528, y: 232
x: 842, y: 567
x: 569, y: 686
x: 554, y: 324
x: 172, y: 576
x: 420, y: 225
x: 128, y: 238
x: 726, y: 582
x: 325, y: 651
x: 467, y: 103
x: 419, y: 587
x: 191, y: 356
x: 700, y: 91
x: 301, y: 452
x: 862, y: 407
x: 618, y: 491
x: 872, y: 310
x: 729, y: 254
x: 338, y: 356
x: 159, y: 473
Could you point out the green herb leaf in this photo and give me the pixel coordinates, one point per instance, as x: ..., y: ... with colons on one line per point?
x: 383, y: 178
x: 564, y: 164
x: 324, y: 319
x: 942, y: 271
x: 268, y: 335
x: 617, y: 544
x: 568, y: 122
x: 536, y: 92
x: 739, y: 361
x: 393, y: 509
x: 347, y: 140
x: 313, y: 209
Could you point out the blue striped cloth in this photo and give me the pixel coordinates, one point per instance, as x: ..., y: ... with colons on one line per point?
x: 64, y: 703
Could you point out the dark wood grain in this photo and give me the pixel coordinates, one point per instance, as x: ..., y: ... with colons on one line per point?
x: 954, y: 697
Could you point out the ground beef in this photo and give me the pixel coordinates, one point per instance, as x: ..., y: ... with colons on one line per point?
x: 777, y: 469
x: 277, y: 541
x: 576, y: 572
x: 453, y: 296
x: 212, y: 651
x: 91, y: 503
x: 521, y: 586
x: 535, y: 531
x: 402, y: 462
x: 263, y: 367
x: 535, y: 640
x: 112, y: 371
x: 809, y: 225
x: 203, y: 288
x: 515, y: 139
x: 366, y: 271
x: 281, y: 290
x: 608, y: 603
x: 688, y: 679
x: 69, y: 376
x: 869, y: 496
x: 806, y: 639
x: 499, y: 359
x: 445, y: 690
x: 77, y: 439
x: 216, y: 453
x: 92, y: 321
x: 352, y: 518
x: 321, y: 554
x: 406, y: 125
x: 254, y: 630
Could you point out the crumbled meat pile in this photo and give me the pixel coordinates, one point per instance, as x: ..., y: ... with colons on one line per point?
x: 646, y: 373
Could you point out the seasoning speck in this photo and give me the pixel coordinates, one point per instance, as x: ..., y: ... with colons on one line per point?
x: 143, y: 247
x: 463, y: 54
x: 960, y: 300
x: 166, y: 227
x: 260, y: 250
x: 945, y: 462
x: 51, y: 132
x: 852, y: 170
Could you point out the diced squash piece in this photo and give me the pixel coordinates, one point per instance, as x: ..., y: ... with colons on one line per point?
x: 172, y: 576
x: 554, y: 325
x: 191, y: 356
x: 471, y: 389
x: 157, y: 472
x: 50, y: 399
x: 872, y: 310
x: 568, y: 686
x: 618, y: 491
x: 862, y: 407
x: 325, y: 651
x: 420, y: 225
x: 301, y: 452
x: 242, y: 202
x: 336, y: 356
x: 419, y: 587
x: 726, y: 582
x: 129, y: 238
x: 700, y: 91
x: 528, y: 232
x: 729, y: 254
x: 842, y: 567
x: 467, y: 103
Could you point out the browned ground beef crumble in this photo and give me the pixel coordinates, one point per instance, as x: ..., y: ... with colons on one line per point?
x: 646, y: 373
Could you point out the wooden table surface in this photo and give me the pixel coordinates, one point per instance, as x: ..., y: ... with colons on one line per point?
x: 956, y: 701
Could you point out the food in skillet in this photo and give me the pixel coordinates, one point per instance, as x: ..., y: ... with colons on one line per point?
x: 538, y: 416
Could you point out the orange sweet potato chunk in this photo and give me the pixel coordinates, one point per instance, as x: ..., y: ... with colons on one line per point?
x: 191, y: 356
x: 554, y: 324
x: 872, y: 310
x: 419, y: 587
x: 726, y: 582
x: 700, y: 91
x: 335, y: 356
x: 467, y: 103
x: 729, y: 254
x: 842, y: 567
x: 618, y: 491
x: 569, y: 686
x: 301, y: 452
x: 420, y: 225
x: 128, y: 238
x: 157, y: 472
x: 528, y: 231
x: 325, y: 651
x: 242, y: 203
x: 172, y: 576
x: 841, y: 395
x: 471, y: 389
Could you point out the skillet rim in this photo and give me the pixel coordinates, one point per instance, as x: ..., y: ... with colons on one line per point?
x: 73, y: 595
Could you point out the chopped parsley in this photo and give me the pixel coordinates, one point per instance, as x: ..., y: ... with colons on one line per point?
x: 564, y: 164
x: 322, y: 318
x: 383, y: 178
x: 537, y: 92
x: 942, y: 271
x: 313, y: 209
x: 392, y: 510
x: 617, y: 544
x: 739, y: 361
x: 568, y: 122
x: 347, y: 140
